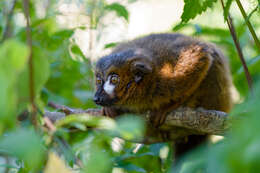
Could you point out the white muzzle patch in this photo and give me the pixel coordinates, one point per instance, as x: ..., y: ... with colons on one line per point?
x: 109, y: 88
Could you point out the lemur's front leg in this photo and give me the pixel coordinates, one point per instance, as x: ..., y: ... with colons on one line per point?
x: 110, y: 112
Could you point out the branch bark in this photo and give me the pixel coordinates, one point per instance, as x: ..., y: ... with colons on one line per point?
x: 179, y: 123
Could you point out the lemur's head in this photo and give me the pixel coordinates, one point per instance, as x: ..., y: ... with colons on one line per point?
x: 121, y: 78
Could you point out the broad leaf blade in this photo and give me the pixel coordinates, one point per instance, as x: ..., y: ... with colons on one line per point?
x: 193, y: 8
x: 120, y: 10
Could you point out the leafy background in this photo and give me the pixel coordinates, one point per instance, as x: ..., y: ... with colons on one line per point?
x: 63, y: 73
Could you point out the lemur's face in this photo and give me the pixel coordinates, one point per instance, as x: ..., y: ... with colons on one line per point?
x: 117, y: 78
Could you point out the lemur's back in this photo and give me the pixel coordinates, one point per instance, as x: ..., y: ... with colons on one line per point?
x: 214, y: 91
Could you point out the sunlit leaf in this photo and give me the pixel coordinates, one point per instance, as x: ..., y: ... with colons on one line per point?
x: 76, y: 53
x: 110, y: 45
x: 180, y: 26
x: 13, y: 58
x: 119, y: 9
x: 88, y: 120
x: 193, y: 8
x: 55, y: 163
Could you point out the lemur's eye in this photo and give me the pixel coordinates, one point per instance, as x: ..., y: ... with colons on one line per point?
x: 98, y: 80
x: 114, y: 79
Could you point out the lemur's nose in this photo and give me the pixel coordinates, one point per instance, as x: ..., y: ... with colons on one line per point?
x: 97, y: 99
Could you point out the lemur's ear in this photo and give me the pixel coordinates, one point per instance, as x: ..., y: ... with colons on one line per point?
x: 141, y: 66
x: 140, y: 69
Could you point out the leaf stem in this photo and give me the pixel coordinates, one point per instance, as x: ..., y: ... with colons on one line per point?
x: 249, y: 25
x: 239, y: 50
x: 31, y: 69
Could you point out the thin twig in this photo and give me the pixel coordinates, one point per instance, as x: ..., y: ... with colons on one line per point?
x: 249, y: 25
x: 31, y: 69
x: 239, y: 50
x: 49, y: 124
x: 67, y: 110
x: 8, y: 28
x: 252, y: 12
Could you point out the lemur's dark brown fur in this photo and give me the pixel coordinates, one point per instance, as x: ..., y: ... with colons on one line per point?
x: 161, y: 72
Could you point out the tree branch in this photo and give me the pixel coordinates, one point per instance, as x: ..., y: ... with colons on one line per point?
x: 179, y: 123
x: 198, y: 120
x: 239, y: 50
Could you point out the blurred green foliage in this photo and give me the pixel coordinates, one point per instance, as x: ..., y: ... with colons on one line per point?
x: 239, y: 151
x: 63, y: 74
x: 11, y: 68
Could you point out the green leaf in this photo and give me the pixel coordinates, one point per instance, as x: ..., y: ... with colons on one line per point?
x: 110, y: 45
x: 180, y: 26
x: 216, y: 32
x: 8, y: 166
x: 239, y: 77
x: 145, y: 159
x: 97, y: 156
x: 8, y: 101
x: 253, y: 65
x: 241, y: 84
x: 130, y: 127
x: 226, y: 8
x: 120, y: 10
x: 41, y: 73
x: 192, y: 8
x: 13, y: 58
x: 76, y: 53
x: 90, y: 121
x: 239, y: 152
x: 26, y: 145
x: 58, y: 38
x: 132, y: 167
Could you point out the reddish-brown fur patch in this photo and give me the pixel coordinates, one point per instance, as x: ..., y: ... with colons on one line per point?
x: 167, y: 71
